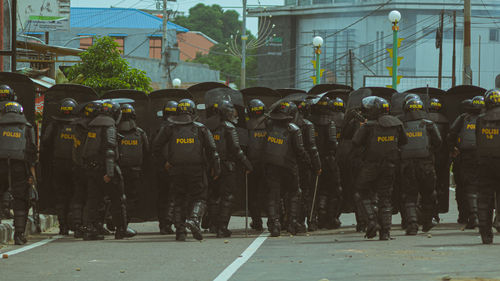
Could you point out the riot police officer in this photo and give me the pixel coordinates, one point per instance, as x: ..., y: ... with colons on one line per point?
x: 165, y: 201
x: 59, y: 139
x: 380, y: 139
x: 6, y: 94
x: 442, y: 156
x: 100, y: 157
x: 283, y: 152
x: 329, y: 190
x: 256, y: 126
x: 221, y: 194
x: 462, y: 139
x: 418, y: 175
x: 18, y: 156
x: 133, y: 148
x: 488, y: 148
x: 305, y: 172
x: 191, y: 153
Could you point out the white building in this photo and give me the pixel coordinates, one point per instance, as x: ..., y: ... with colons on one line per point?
x: 362, y: 26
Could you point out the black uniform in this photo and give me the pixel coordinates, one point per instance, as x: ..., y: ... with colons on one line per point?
x: 256, y: 183
x: 488, y: 148
x: 442, y: 163
x: 221, y: 190
x: 379, y: 141
x: 191, y: 153
x: 306, y: 181
x: 133, y: 147
x: 283, y: 152
x: 462, y: 136
x: 18, y: 154
x: 329, y: 191
x: 418, y: 175
x: 100, y: 155
x: 165, y: 198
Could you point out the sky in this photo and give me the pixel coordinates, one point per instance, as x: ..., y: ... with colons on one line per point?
x: 181, y: 5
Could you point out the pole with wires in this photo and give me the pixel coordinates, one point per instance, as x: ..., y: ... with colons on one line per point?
x: 244, y: 39
x: 165, y: 58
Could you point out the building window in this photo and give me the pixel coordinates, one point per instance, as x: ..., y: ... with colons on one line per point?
x: 86, y: 42
x: 494, y: 35
x: 121, y: 43
x: 155, y: 47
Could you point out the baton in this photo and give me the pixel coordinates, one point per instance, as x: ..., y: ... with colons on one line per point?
x: 246, y: 205
x: 314, y: 197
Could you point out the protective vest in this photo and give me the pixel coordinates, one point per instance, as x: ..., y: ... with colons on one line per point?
x: 382, y: 143
x: 130, y: 148
x: 418, y: 145
x: 64, y: 140
x: 256, y: 139
x: 185, y: 146
x: 467, y: 135
x: 338, y: 118
x: 219, y: 135
x: 488, y: 138
x: 92, y: 147
x: 13, y: 141
x: 278, y: 148
x: 325, y: 136
x: 81, y: 127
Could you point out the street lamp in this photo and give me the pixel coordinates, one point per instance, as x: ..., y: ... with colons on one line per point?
x: 317, y: 42
x: 395, y: 17
x: 176, y: 82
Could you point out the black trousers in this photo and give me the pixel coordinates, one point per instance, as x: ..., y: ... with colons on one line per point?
x: 64, y: 183
x: 489, y: 179
x: 221, y: 195
x: 165, y: 199
x: 20, y: 190
x: 256, y: 189
x: 418, y: 177
x: 132, y: 178
x: 442, y: 168
x: 189, y: 185
x: 376, y: 180
x: 79, y: 198
x: 281, y: 181
x: 97, y: 189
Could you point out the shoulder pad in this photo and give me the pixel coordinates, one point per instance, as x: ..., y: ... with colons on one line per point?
x: 438, y: 118
x: 28, y: 124
x: 492, y: 114
x: 229, y: 124
x: 389, y: 121
x: 307, y: 122
x: 140, y: 130
x: 103, y: 120
x: 292, y: 127
x: 371, y: 123
x: 427, y: 122
x: 198, y: 124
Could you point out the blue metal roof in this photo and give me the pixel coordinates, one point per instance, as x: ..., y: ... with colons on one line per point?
x: 117, y: 18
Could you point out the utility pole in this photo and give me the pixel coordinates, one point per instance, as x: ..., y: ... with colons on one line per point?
x: 467, y: 71
x: 244, y: 38
x: 165, y: 55
x: 479, y: 64
x: 454, y: 57
x: 440, y: 71
x: 351, y: 68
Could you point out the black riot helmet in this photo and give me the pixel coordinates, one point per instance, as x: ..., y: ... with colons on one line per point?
x: 282, y: 112
x: 304, y: 107
x: 373, y: 107
x: 337, y: 105
x: 128, y: 111
x: 186, y: 106
x: 13, y: 107
x: 322, y: 106
x: 492, y: 98
x: 413, y: 105
x: 91, y: 109
x: 477, y: 104
x: 227, y: 111
x: 7, y: 93
x: 256, y: 108
x: 67, y: 106
x: 112, y: 109
x: 410, y: 97
x: 435, y: 105
x: 170, y: 109
x: 466, y: 106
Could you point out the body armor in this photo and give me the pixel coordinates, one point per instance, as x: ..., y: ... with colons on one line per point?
x: 467, y: 135
x: 101, y: 136
x: 131, y: 148
x: 418, y: 145
x: 256, y: 138
x: 384, y: 139
x: 488, y: 136
x: 13, y: 141
x: 326, y: 138
x: 278, y: 147
x: 64, y: 140
x: 185, y: 146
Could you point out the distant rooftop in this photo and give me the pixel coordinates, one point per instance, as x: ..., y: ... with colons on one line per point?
x: 117, y: 18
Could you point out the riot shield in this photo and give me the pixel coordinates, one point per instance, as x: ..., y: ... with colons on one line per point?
x: 158, y: 99
x: 355, y: 97
x: 266, y: 95
x: 454, y: 96
x: 53, y: 96
x: 198, y: 91
x: 288, y: 91
x: 140, y: 104
x: 25, y: 91
x: 323, y: 88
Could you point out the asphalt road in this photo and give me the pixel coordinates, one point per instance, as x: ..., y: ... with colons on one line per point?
x: 446, y: 252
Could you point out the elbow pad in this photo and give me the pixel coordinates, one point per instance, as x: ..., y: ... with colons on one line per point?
x: 110, y: 163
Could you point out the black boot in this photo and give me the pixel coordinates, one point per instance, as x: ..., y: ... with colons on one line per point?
x: 78, y: 232
x: 485, y: 214
x: 334, y: 212
x: 102, y: 230
x: 256, y: 224
x: 473, y: 220
x: 92, y: 233
x: 166, y: 229
x: 385, y: 215
x: 124, y: 232
x: 275, y: 228
x: 213, y: 214
x: 62, y: 218
x: 180, y: 233
x: 427, y: 214
x: 411, y: 219
x: 193, y: 223
x: 372, y: 226
x: 20, y: 219
x: 63, y: 230
x: 359, y: 213
x: 322, y: 212
x: 224, y: 217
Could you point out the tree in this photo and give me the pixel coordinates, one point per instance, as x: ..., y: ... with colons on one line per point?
x: 220, y: 25
x: 104, y: 69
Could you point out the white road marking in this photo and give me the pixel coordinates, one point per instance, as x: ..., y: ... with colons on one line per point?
x: 29, y: 247
x: 243, y: 258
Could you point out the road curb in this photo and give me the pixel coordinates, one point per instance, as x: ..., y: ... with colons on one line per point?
x: 7, y: 227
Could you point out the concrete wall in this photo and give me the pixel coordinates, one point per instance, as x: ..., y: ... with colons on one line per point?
x: 191, y: 43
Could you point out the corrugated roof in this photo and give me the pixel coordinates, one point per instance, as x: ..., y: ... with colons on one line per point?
x: 117, y: 18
